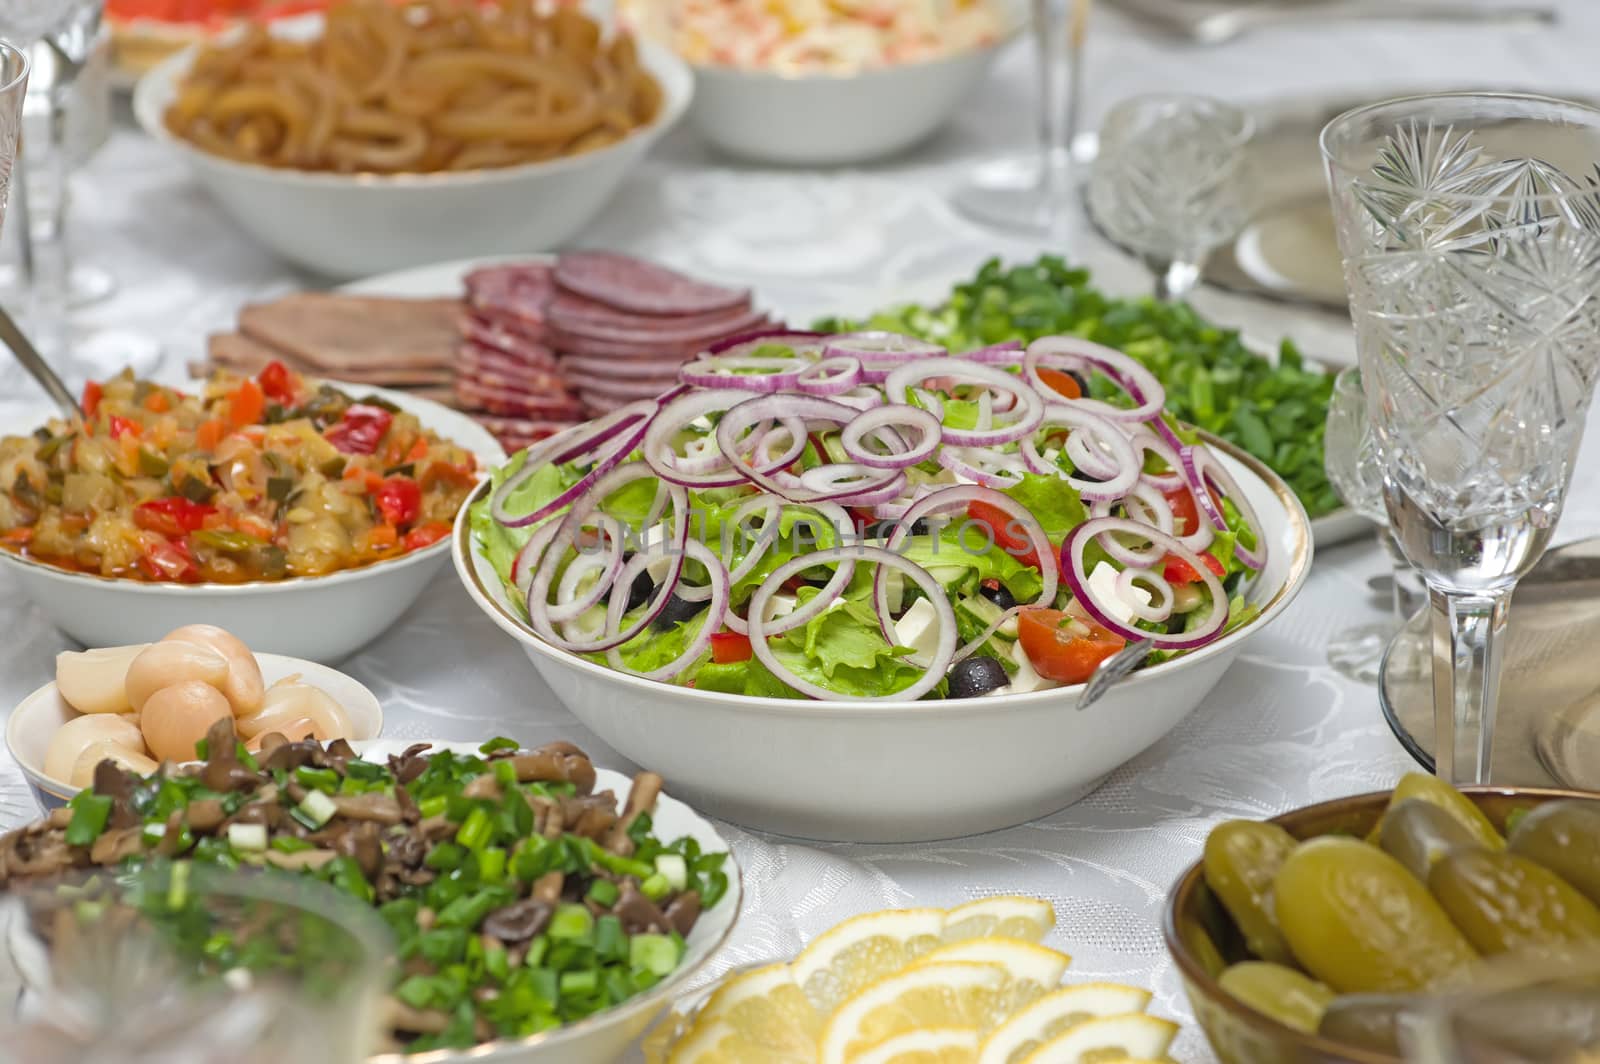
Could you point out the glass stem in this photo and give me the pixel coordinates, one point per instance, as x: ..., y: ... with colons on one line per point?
x: 45, y: 260
x: 1049, y: 114
x: 1399, y: 576
x: 1175, y: 280
x: 1466, y: 680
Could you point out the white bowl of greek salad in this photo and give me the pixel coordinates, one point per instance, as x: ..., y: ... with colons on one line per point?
x: 849, y: 587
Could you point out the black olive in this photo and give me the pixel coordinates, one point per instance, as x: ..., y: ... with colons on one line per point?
x: 882, y: 530
x: 1083, y: 382
x: 676, y: 612
x: 973, y: 676
x: 639, y: 593
x: 998, y: 595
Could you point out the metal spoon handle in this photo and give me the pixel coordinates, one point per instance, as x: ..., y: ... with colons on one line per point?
x: 36, y: 366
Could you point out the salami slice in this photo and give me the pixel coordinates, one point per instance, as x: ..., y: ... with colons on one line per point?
x: 513, y: 295
x: 476, y: 360
x: 520, y: 432
x: 567, y: 310
x: 631, y: 369
x: 629, y: 284
x: 665, y: 334
x: 537, y: 384
x: 510, y: 402
x: 491, y: 337
x: 602, y: 404
x: 620, y: 389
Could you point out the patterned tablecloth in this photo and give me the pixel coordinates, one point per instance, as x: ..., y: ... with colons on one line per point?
x: 1280, y: 730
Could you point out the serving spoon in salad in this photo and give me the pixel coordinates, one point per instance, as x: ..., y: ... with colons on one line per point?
x: 13, y: 337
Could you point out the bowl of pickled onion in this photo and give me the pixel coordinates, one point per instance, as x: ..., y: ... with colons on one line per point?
x: 849, y: 720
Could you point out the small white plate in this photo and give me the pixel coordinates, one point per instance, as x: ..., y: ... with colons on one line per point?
x: 36, y: 719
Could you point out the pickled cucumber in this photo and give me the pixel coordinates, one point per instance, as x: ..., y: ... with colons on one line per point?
x: 1502, y: 901
x: 1241, y: 859
x: 1288, y: 996
x: 1564, y: 836
x: 1421, y: 786
x: 1367, y: 1021
x: 1357, y: 920
x: 1418, y: 833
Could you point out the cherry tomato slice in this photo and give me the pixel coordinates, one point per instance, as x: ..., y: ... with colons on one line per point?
x: 1007, y: 536
x: 1058, y: 649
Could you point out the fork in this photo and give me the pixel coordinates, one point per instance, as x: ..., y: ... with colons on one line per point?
x: 1112, y: 671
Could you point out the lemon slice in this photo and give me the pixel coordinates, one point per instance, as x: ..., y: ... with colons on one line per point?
x: 1128, y: 1035
x: 1032, y: 970
x: 765, y: 1008
x: 931, y: 995
x: 862, y: 950
x: 1054, y: 1013
x: 931, y: 1045
x: 1029, y: 919
x: 702, y: 1045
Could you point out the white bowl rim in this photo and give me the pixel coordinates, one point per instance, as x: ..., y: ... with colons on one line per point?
x: 1299, y: 527
x: 1014, y: 26
x: 290, y: 664
x: 157, y: 86
x: 214, y: 589
x: 667, y: 989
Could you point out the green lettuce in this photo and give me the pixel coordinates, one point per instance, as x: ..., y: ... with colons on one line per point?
x: 1053, y: 502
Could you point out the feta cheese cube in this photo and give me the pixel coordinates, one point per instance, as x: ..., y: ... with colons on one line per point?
x: 1103, y: 582
x: 1025, y: 679
x: 918, y: 629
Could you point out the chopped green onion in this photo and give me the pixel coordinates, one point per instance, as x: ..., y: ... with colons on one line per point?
x: 319, y: 779
x: 495, y: 745
x: 90, y: 811
x: 610, y: 941
x: 431, y: 807
x: 570, y: 922
x: 575, y: 983
x: 492, y: 864
x: 537, y: 950
x: 675, y: 869
x: 655, y: 887
x: 603, y: 893
x: 545, y: 984
x: 290, y: 844
x: 656, y: 954
x: 248, y: 838
x: 318, y: 808
x: 178, y: 886
x: 475, y: 830
x: 445, y: 857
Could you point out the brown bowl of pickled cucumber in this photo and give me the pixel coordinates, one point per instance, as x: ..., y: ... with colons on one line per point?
x: 1318, y: 935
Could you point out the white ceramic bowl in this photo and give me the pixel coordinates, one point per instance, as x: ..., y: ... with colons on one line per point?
x: 603, y: 1038
x: 832, y: 120
x: 350, y: 226
x: 324, y: 618
x: 900, y: 771
x: 36, y: 719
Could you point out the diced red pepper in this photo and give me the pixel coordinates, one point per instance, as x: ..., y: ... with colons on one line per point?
x: 399, y: 500
x: 165, y: 560
x: 361, y: 429
x: 276, y: 383
x: 91, y: 398
x: 730, y: 647
x: 1177, y: 571
x: 425, y: 535
x: 174, y: 516
x: 247, y: 404
x: 121, y: 426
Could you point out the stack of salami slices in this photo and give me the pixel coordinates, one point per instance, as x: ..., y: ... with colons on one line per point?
x: 545, y: 345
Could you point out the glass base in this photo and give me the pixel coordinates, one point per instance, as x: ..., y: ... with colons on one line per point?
x: 86, y: 285
x: 1357, y: 653
x: 1014, y: 192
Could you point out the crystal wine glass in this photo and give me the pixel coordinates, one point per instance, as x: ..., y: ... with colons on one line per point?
x: 13, y: 89
x: 1032, y: 192
x: 1355, y: 474
x: 64, y: 36
x: 1474, y: 279
x: 1170, y: 182
x: 1534, y: 1007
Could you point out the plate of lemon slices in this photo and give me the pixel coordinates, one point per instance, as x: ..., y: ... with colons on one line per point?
x: 969, y: 985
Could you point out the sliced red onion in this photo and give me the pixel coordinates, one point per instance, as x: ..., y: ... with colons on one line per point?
x: 610, y: 438
x: 877, y: 494
x: 841, y: 479
x: 1077, y: 578
x: 1164, y: 430
x: 771, y: 509
x: 798, y: 341
x: 1025, y: 418
x: 960, y: 498
x: 1004, y: 353
x: 991, y: 469
x: 569, y: 603
x: 1072, y: 352
x: 741, y: 417
x: 896, y: 416
x: 1147, y: 505
x: 1207, y: 475
x: 836, y: 519
x: 1146, y: 442
x: 831, y: 376
x: 884, y: 560
x: 983, y: 637
x: 526, y: 562
x: 773, y: 374
x: 539, y: 608
x: 717, y: 587
x: 1161, y: 597
x: 1094, y: 444
x: 878, y: 348
x: 713, y: 471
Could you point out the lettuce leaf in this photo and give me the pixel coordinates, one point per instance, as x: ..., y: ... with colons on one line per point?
x: 955, y: 555
x: 1053, y: 502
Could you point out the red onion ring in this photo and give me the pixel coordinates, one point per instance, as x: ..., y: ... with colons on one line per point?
x: 717, y: 587
x: 883, y: 559
x: 744, y: 415
x: 831, y: 376
x: 1004, y: 353
x: 612, y: 437
x: 925, y: 425
x: 797, y: 340
x: 1072, y: 570
x: 774, y: 374
x: 992, y: 469
x: 1095, y: 436
x: 1029, y: 411
x: 1206, y: 474
x: 1072, y: 352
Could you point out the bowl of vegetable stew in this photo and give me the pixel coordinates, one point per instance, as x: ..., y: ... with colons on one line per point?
x: 1317, y: 990
x: 545, y: 909
x: 269, y: 509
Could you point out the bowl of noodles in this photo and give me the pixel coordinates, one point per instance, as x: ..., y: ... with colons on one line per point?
x: 381, y: 136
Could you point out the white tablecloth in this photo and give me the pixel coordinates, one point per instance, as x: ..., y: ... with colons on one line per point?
x: 1280, y: 730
